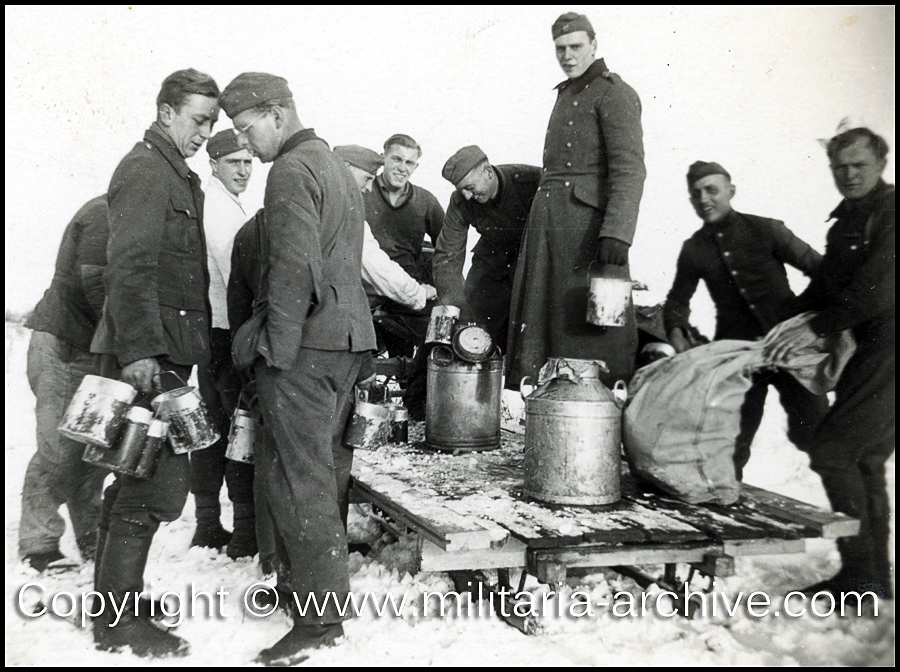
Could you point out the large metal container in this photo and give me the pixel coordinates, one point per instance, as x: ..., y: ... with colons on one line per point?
x: 573, y: 435
x: 462, y: 409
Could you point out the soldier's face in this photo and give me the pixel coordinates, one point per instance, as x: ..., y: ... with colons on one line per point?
x: 711, y: 197
x: 399, y: 165
x: 233, y: 170
x: 575, y: 53
x: 258, y: 132
x: 478, y: 184
x: 363, y: 179
x: 190, y: 126
x: 856, y: 170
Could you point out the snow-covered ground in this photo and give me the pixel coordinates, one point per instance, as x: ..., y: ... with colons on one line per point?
x: 421, y: 637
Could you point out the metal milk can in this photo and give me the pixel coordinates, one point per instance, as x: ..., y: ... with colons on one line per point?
x: 573, y: 434
x: 462, y: 407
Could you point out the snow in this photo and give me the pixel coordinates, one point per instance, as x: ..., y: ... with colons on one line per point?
x: 475, y: 636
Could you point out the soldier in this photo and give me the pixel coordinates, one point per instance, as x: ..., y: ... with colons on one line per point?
x: 156, y: 319
x: 741, y: 259
x: 381, y: 275
x: 310, y: 336
x: 58, y: 359
x: 584, y: 214
x: 220, y: 384
x: 854, y: 289
x: 495, y: 201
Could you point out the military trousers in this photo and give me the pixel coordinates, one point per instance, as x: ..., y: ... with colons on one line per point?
x: 850, y: 449
x: 305, y: 469
x: 56, y: 475
x: 488, y: 293
x: 804, y: 409
x: 220, y: 387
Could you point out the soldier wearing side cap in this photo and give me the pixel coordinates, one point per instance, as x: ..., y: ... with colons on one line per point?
x: 307, y: 340
x: 742, y: 258
x: 495, y: 201
x: 583, y: 216
x: 219, y: 382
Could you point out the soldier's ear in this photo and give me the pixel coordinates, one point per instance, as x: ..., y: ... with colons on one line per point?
x: 165, y: 114
x: 212, y: 166
x: 278, y: 116
x: 731, y: 190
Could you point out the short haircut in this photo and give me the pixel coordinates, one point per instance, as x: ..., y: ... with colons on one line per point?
x: 403, y: 141
x: 873, y: 141
x: 183, y: 83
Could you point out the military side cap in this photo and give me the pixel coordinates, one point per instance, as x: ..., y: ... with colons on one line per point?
x: 249, y: 89
x: 360, y: 157
x: 700, y: 169
x: 222, y: 144
x: 459, y: 165
x: 571, y: 22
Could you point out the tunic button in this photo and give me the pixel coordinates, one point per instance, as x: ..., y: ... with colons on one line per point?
x: 719, y: 234
x: 568, y: 164
x: 752, y: 306
x: 182, y: 313
x: 568, y: 144
x: 575, y: 104
x: 571, y: 123
x: 726, y: 254
x: 853, y: 247
x: 734, y: 272
x: 567, y: 183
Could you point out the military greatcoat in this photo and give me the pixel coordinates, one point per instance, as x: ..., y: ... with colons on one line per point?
x: 591, y: 186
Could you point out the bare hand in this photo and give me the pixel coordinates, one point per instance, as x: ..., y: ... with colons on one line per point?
x: 430, y: 292
x: 678, y: 341
x: 779, y: 349
x: 140, y: 374
x: 612, y: 252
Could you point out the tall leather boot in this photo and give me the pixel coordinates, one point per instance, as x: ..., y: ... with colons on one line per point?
x: 209, y: 532
x: 243, y: 539
x: 121, y: 579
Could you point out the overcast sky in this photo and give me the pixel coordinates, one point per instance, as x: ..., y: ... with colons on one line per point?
x: 751, y: 88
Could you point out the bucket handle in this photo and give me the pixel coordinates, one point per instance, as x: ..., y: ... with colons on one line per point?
x: 159, y: 375
x: 521, y: 385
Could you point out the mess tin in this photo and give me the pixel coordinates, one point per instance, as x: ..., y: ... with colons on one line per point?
x: 97, y: 411
x: 441, y: 325
x: 189, y: 425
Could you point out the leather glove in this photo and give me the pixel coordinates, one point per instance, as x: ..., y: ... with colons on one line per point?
x: 612, y: 252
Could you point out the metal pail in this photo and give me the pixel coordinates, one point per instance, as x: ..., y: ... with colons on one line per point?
x: 189, y: 425
x: 242, y: 437
x: 369, y: 426
x: 573, y: 435
x: 97, y: 411
x: 125, y: 456
x: 462, y: 406
x: 608, y: 301
x: 441, y: 324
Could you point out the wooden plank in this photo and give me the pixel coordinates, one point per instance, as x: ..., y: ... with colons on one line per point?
x: 434, y: 559
x: 608, y: 555
x: 747, y: 547
x: 827, y: 524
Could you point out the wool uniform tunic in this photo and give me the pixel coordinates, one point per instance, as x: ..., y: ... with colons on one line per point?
x: 488, y: 286
x: 591, y: 186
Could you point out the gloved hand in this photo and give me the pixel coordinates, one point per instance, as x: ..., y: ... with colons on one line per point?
x: 612, y: 252
x: 140, y: 374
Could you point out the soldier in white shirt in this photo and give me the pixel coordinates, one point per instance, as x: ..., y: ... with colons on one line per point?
x: 220, y: 384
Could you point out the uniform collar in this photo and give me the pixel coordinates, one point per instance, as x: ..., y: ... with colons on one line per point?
x: 405, y: 195
x: 596, y: 69
x: 847, y: 207
x: 157, y: 137
x: 298, y: 138
x: 726, y: 222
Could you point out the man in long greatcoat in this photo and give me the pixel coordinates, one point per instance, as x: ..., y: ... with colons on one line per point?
x: 583, y: 216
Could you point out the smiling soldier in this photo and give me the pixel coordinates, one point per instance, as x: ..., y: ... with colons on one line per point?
x: 220, y: 383
x: 741, y: 259
x: 156, y: 319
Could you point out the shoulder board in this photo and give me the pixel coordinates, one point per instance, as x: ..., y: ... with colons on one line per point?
x: 611, y: 77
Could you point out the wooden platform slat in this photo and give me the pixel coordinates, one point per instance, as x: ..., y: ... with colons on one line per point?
x: 827, y: 524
